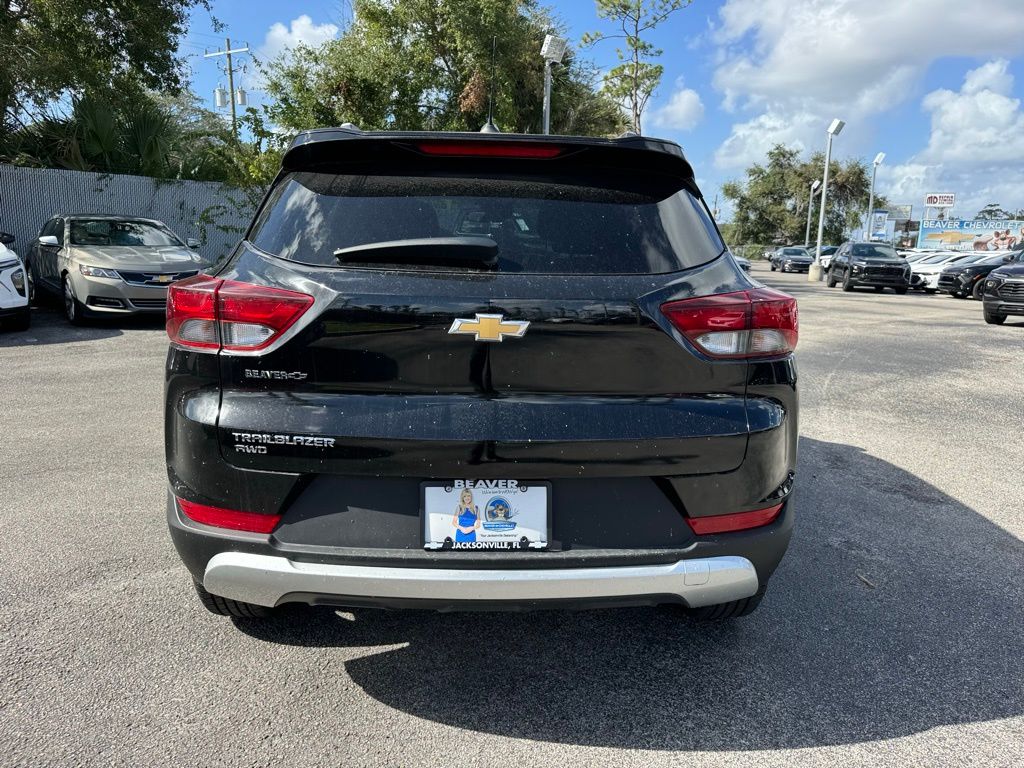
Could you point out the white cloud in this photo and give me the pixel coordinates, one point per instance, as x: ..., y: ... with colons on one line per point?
x: 300, y: 30
x: 975, y: 146
x: 844, y: 58
x: 683, y: 111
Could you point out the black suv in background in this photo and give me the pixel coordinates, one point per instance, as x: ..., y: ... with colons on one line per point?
x: 870, y: 264
x: 968, y: 279
x: 467, y: 370
x: 1004, y: 291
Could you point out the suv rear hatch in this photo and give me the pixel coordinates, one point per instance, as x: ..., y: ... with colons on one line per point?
x: 555, y: 361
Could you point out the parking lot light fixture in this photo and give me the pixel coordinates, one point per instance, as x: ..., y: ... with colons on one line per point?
x: 836, y: 127
x: 553, y: 50
x: 871, y: 198
x: 810, y: 207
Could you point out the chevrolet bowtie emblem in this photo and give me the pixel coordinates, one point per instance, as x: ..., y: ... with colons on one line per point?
x: 490, y: 327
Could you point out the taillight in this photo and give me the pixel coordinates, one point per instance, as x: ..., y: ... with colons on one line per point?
x: 252, y: 522
x: 761, y: 322
x: 521, y: 149
x: 739, y: 521
x: 209, y: 313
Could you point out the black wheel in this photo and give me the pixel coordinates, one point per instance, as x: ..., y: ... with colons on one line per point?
x: 731, y: 610
x: 831, y: 279
x: 901, y: 291
x: 771, y: 266
x: 994, y: 318
x: 847, y: 284
x: 931, y: 291
x: 74, y: 310
x: 22, y: 320
x: 224, y: 606
x: 879, y: 288
x: 979, y: 289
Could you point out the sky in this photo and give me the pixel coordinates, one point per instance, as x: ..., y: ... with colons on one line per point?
x: 934, y: 84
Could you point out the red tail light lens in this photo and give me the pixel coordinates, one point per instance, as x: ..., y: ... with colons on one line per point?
x: 208, y: 313
x: 746, y: 324
x: 740, y: 521
x: 229, y: 518
x: 520, y: 149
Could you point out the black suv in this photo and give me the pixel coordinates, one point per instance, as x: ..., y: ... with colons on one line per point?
x: 467, y: 370
x: 872, y: 264
x: 967, y: 277
x: 1004, y: 290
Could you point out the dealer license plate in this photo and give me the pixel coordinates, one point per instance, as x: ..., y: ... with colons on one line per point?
x: 486, y: 514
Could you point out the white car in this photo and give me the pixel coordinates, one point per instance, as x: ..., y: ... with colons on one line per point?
x: 14, y: 287
x: 925, y: 272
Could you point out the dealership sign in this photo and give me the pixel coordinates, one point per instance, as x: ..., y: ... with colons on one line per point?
x: 940, y: 200
x: 971, y: 234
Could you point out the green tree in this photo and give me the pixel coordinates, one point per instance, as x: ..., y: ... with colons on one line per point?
x: 636, y: 78
x: 425, y: 65
x: 52, y: 49
x: 770, y: 206
x: 994, y: 212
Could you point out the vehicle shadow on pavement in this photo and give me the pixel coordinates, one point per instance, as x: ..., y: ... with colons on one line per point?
x: 50, y: 327
x: 896, y: 610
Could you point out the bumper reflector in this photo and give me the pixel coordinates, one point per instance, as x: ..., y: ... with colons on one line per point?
x: 252, y: 522
x: 739, y: 521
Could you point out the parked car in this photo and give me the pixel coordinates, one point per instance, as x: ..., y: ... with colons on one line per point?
x: 927, y: 270
x: 1004, y: 291
x: 744, y: 263
x: 14, y: 287
x: 967, y: 277
x: 827, y: 252
x: 366, y: 408
x: 869, y: 264
x: 110, y: 265
x: 791, y: 260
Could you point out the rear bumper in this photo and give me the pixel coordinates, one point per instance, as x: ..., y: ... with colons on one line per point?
x: 270, y: 581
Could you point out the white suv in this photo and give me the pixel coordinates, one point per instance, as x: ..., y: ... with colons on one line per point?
x: 14, y: 287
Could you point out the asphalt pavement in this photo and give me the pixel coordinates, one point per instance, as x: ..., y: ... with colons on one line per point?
x: 891, y: 635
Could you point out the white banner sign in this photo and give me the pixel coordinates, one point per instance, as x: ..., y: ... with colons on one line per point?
x: 940, y: 200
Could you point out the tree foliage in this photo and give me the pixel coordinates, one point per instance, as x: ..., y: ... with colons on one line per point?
x: 635, y: 79
x: 995, y: 212
x: 426, y: 65
x: 770, y: 206
x: 53, y: 49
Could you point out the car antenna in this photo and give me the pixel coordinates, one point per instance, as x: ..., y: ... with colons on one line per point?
x: 489, y: 126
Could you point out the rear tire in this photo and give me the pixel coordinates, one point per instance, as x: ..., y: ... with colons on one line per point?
x: 730, y: 610
x: 994, y: 318
x: 771, y: 266
x: 831, y: 279
x: 225, y: 606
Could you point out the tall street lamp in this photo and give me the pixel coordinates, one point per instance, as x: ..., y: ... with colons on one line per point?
x: 871, y: 199
x: 810, y: 207
x: 814, y: 273
x: 552, y: 51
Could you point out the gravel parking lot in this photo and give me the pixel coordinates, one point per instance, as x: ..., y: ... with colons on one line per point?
x: 892, y: 634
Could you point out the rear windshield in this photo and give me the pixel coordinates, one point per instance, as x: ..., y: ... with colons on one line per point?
x: 539, y: 226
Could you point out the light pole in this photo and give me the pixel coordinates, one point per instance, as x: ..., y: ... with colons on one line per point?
x: 553, y: 50
x: 871, y: 198
x: 814, y: 273
x: 810, y: 207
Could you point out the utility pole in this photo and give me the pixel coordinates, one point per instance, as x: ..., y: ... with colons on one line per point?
x: 231, y: 78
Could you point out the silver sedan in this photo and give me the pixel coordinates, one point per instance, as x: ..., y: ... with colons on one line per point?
x: 109, y: 265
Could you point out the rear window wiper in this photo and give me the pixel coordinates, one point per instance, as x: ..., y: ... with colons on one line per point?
x: 437, y: 251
